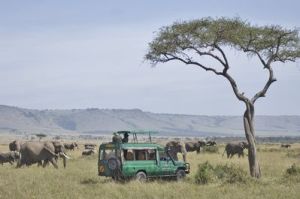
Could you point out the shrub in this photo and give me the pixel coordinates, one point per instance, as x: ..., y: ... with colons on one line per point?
x: 211, y: 149
x: 269, y: 150
x: 293, y: 170
x: 206, y: 173
x: 231, y: 173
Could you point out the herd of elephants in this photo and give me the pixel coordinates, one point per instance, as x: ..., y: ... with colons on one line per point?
x: 40, y: 152
x: 45, y: 152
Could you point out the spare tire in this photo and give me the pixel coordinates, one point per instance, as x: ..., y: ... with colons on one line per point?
x: 113, y: 163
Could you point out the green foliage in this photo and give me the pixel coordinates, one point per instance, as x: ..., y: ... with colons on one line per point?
x: 211, y: 149
x: 293, y: 170
x: 271, y: 149
x: 231, y: 173
x: 292, y: 175
x: 206, y: 173
x: 206, y: 36
x: 40, y: 135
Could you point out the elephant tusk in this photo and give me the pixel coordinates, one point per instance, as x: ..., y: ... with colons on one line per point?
x: 66, y: 156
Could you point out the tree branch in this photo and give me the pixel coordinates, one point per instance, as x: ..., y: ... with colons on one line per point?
x: 240, y: 96
x: 257, y: 53
x: 171, y: 57
x: 235, y: 89
x: 226, y: 66
x: 263, y: 92
x: 201, y: 53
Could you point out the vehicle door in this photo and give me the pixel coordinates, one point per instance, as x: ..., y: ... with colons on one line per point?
x: 165, y: 164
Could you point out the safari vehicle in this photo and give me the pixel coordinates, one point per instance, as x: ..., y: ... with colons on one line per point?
x: 123, y: 160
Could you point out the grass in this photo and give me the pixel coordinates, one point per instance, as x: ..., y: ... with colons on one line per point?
x: 80, y: 180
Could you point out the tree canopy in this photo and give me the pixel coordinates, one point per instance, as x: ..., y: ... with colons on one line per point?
x: 40, y: 135
x: 189, y: 41
x: 206, y: 37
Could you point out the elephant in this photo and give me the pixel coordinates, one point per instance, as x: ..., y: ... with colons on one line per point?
x: 9, y: 157
x: 38, y: 152
x: 88, y: 152
x: 15, y: 145
x: 194, y: 146
x: 90, y: 146
x: 174, y: 147
x: 285, y: 145
x: 211, y: 143
x: 71, y: 146
x: 235, y: 148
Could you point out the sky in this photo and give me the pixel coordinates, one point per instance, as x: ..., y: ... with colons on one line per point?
x: 81, y: 54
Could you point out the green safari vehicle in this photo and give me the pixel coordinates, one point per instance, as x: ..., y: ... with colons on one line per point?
x: 123, y: 160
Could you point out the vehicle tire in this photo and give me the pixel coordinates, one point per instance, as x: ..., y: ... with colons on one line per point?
x: 180, y: 175
x: 141, y: 176
x: 113, y: 163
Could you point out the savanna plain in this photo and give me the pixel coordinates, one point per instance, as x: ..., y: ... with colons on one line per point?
x: 79, y: 179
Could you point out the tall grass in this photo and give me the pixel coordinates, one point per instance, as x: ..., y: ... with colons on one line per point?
x: 80, y: 180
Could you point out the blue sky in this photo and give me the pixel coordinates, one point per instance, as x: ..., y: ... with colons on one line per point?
x: 80, y: 54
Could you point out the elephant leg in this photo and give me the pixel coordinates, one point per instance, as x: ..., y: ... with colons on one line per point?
x: 40, y: 163
x: 46, y: 162
x: 53, y: 163
x: 11, y: 162
x: 19, y: 163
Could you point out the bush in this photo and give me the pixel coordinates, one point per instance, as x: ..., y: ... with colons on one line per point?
x: 269, y: 150
x: 292, y: 175
x: 206, y: 173
x: 231, y: 174
x: 293, y: 170
x: 211, y: 149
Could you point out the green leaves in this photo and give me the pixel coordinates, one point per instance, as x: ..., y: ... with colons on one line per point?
x: 272, y: 43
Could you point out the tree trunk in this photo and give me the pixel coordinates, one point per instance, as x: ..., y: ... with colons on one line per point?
x: 250, y: 135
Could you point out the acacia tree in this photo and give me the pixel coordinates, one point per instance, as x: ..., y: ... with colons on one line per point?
x: 189, y: 42
x: 40, y: 136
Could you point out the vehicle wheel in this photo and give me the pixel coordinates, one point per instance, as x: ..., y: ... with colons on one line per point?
x: 180, y: 175
x: 113, y: 163
x: 141, y: 176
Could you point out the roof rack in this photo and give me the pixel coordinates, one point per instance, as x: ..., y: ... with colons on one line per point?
x: 135, y: 133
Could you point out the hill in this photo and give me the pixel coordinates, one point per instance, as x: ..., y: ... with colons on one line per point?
x: 104, y: 121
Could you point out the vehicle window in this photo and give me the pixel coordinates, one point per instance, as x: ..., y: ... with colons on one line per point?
x: 163, y: 156
x: 105, y: 154
x: 139, y: 154
x: 128, y: 154
x: 151, y: 154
